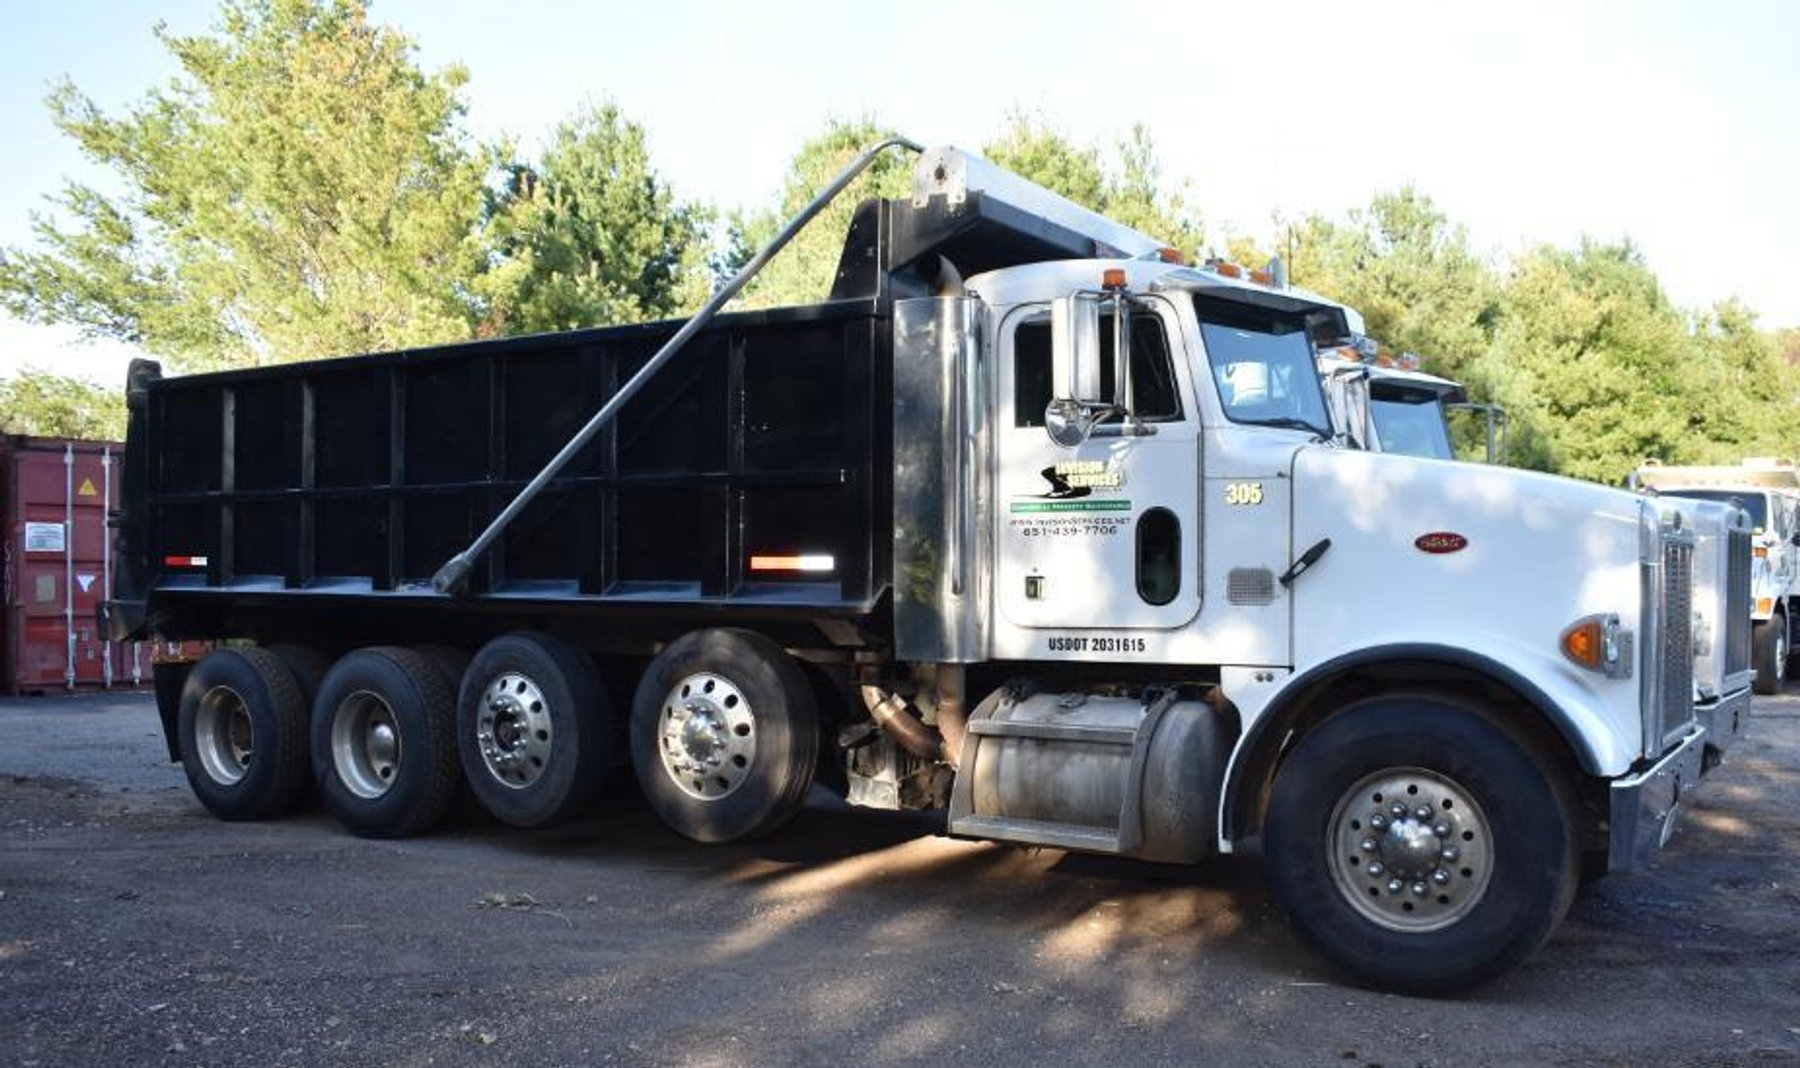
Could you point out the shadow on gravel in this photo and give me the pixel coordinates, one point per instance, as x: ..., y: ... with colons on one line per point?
x: 847, y: 936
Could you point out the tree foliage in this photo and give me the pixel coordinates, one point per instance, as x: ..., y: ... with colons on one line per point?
x: 301, y: 190
x: 590, y: 234
x: 304, y: 189
x: 1408, y: 270
x: 54, y: 406
x: 1131, y: 190
x: 1596, y: 367
x: 803, y: 272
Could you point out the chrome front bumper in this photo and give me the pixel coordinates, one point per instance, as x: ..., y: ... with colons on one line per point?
x: 1646, y: 806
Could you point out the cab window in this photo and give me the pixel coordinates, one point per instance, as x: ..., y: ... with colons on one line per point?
x: 1155, y: 395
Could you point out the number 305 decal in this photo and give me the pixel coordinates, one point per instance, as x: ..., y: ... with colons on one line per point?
x: 1248, y: 493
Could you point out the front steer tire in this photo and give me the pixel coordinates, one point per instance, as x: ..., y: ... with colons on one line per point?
x: 241, y: 730
x: 1417, y: 922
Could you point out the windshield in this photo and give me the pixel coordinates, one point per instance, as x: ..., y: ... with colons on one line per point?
x: 1754, y: 503
x: 1262, y: 362
x: 1411, y: 424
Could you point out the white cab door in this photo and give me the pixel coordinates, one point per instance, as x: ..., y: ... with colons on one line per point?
x: 1104, y: 534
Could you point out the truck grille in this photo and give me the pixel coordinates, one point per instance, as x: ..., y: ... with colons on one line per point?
x: 1671, y: 705
x: 1737, y: 602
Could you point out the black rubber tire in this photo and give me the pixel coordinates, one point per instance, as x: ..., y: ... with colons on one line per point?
x: 786, y: 725
x: 451, y: 663
x: 309, y: 666
x: 425, y: 775
x: 1535, y: 867
x: 581, y: 726
x: 1767, y: 654
x: 274, y: 778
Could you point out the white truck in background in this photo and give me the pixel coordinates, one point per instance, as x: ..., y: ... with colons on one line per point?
x: 1769, y: 490
x: 1388, y: 404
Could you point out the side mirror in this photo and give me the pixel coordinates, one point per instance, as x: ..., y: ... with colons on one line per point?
x: 1068, y: 422
x: 1075, y: 346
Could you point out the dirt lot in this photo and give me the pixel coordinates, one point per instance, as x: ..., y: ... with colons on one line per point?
x: 135, y: 929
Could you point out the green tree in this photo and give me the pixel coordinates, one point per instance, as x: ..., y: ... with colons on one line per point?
x: 1409, y: 271
x: 802, y: 273
x: 592, y: 235
x: 302, y: 189
x: 1590, y: 362
x: 1738, y: 389
x: 1029, y: 146
x: 54, y: 406
x: 1132, y: 191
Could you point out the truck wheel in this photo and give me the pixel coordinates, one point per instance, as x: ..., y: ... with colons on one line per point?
x: 1769, y: 647
x: 533, y: 726
x: 308, y: 665
x: 1418, y: 846
x: 242, y: 732
x: 450, y: 661
x: 384, y: 742
x: 724, y: 735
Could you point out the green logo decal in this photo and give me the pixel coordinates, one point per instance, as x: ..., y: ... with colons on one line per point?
x: 1083, y: 505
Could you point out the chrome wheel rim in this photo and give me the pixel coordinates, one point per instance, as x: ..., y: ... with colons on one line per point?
x: 1411, y: 850
x: 513, y: 730
x: 706, y: 736
x: 224, y: 737
x: 365, y: 744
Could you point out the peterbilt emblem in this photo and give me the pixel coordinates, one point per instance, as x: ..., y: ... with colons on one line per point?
x: 1440, y: 541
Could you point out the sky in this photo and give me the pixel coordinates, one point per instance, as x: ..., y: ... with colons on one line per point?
x: 1673, y: 124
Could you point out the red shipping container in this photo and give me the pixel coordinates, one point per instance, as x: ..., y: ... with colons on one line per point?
x: 56, y: 567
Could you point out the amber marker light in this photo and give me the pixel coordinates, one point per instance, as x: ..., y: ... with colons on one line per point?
x: 1112, y: 278
x: 1169, y: 255
x: 1599, y: 644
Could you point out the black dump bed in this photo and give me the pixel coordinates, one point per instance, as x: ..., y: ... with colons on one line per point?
x: 334, y: 489
x: 750, y: 479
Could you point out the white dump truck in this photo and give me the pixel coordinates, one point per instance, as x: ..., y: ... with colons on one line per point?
x: 1769, y: 490
x: 1030, y: 522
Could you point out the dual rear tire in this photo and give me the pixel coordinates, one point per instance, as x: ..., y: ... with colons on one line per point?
x: 723, y: 733
x: 384, y: 742
x: 242, y: 734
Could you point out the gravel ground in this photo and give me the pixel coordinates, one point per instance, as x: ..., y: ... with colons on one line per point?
x: 135, y: 929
